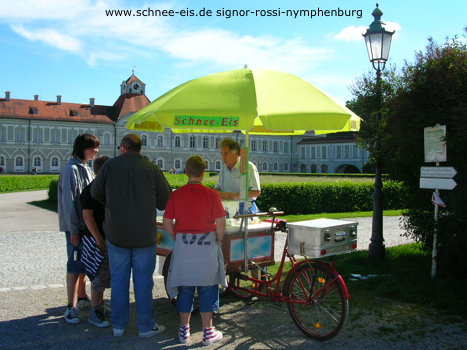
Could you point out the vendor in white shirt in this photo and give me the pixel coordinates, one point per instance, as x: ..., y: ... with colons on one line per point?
x: 228, y: 185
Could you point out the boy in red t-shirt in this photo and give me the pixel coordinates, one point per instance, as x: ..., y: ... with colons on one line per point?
x: 197, y: 260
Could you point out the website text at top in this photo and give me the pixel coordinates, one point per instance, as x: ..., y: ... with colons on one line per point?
x: 227, y: 13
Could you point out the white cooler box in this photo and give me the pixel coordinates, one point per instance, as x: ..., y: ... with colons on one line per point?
x: 322, y: 237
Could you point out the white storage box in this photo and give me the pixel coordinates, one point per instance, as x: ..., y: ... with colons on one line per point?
x: 322, y: 237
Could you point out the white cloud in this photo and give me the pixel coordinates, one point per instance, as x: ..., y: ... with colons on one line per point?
x: 81, y: 27
x: 353, y: 33
x: 51, y: 37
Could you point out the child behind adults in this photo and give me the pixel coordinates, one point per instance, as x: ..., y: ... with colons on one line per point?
x: 95, y: 256
x: 197, y: 260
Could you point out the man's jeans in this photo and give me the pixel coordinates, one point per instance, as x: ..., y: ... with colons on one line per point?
x: 143, y: 263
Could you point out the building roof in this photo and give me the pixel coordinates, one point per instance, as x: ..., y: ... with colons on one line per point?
x: 341, y: 137
x: 133, y: 78
x: 71, y: 112
x: 130, y: 103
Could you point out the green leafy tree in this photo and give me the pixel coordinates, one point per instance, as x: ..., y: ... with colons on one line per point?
x: 431, y: 90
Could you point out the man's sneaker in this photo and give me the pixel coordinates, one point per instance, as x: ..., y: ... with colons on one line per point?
x: 158, y: 329
x: 184, y: 334
x: 210, y: 335
x: 83, y: 302
x: 97, y: 319
x: 118, y: 332
x: 71, y: 315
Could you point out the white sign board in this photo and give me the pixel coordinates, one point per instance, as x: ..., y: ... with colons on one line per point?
x: 441, y: 172
x: 435, y: 148
x: 437, y: 184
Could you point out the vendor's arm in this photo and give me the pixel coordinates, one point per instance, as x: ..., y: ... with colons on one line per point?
x: 88, y: 215
x: 231, y: 196
x: 169, y: 226
x: 221, y: 224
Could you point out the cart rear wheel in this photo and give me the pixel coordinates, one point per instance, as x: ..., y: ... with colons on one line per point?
x: 319, y: 309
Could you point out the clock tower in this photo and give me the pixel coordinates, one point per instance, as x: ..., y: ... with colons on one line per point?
x: 132, y: 86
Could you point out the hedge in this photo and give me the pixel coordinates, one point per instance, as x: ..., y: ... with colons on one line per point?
x: 292, y: 198
x: 15, y: 183
x: 314, y: 198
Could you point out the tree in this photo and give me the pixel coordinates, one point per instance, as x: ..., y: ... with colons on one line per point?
x: 431, y: 90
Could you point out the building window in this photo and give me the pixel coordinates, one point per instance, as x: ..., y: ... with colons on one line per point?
x: 177, y: 141
x: 339, y: 152
x: 160, y: 141
x: 55, y: 161
x: 55, y: 136
x: 144, y: 140
x: 20, y: 135
x: 323, y: 152
x: 2, y: 161
x: 37, y: 135
x: 275, y: 166
x: 2, y: 134
x: 205, y: 142
x: 72, y: 136
x: 302, y: 152
x: 207, y: 165
x: 160, y: 163
x: 265, y: 166
x: 106, y: 139
x: 218, y: 165
x: 218, y: 141
x: 253, y: 145
x: 178, y: 164
x: 347, y: 151
x: 37, y: 161
x: 313, y: 152
x: 324, y: 168
x: 192, y: 141
x: 242, y: 143
x: 355, y: 151
x: 276, y: 146
x: 286, y: 147
x: 286, y: 166
x: 19, y: 161
x: 265, y: 146
x: 314, y: 169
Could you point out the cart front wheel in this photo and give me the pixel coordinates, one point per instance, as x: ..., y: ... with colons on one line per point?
x: 319, y: 308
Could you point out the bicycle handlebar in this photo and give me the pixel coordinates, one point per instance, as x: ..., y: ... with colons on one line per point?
x: 274, y: 213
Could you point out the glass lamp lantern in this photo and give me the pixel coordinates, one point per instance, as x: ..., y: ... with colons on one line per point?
x: 378, y: 41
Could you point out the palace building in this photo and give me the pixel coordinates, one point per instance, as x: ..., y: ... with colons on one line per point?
x: 40, y: 134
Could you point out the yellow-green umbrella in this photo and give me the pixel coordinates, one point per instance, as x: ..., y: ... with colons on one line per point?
x: 252, y: 100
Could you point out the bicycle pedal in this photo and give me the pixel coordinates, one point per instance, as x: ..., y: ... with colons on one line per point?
x: 242, y: 277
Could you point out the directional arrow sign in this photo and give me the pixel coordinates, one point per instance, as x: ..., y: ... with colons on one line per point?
x: 438, y: 171
x: 437, y: 184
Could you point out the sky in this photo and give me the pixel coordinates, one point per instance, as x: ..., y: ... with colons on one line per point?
x: 73, y: 48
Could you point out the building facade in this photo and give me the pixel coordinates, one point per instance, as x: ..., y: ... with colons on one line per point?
x: 39, y: 135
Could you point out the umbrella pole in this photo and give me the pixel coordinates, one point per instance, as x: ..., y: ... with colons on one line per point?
x: 245, y: 203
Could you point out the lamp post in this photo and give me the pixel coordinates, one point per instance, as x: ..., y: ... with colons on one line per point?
x: 378, y: 42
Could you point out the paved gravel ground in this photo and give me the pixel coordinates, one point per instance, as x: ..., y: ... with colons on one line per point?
x: 33, y: 295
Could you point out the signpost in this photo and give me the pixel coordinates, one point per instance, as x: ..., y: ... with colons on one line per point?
x: 436, y: 178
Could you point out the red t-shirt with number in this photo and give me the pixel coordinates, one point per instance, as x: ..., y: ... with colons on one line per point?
x: 194, y: 208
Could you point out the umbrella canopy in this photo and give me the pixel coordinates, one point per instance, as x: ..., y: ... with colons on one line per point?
x: 253, y: 100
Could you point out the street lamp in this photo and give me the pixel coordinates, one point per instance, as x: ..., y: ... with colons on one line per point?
x: 378, y: 42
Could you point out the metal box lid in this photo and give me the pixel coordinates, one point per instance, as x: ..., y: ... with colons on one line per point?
x: 322, y: 237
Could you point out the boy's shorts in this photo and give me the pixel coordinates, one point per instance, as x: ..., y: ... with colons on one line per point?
x: 102, y: 279
x: 72, y: 265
